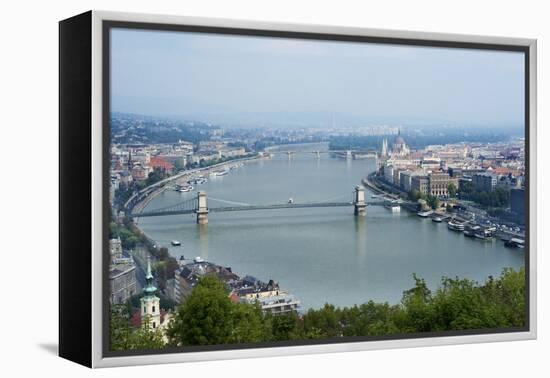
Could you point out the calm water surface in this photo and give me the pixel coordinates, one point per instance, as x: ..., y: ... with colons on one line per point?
x: 323, y: 254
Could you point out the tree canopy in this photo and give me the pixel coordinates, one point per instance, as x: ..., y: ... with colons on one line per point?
x: 209, y: 317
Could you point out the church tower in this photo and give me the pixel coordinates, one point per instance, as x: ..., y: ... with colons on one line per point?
x: 150, y: 303
x: 130, y: 162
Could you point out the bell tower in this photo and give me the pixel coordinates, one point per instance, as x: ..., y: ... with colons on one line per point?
x: 150, y: 303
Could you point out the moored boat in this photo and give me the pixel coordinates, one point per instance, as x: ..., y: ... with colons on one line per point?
x: 437, y: 219
x: 186, y: 189
x: 515, y: 243
x: 484, y: 234
x: 455, y: 225
x: 424, y: 214
x: 470, y: 231
x: 175, y: 243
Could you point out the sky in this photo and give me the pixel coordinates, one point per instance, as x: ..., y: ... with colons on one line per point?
x: 196, y: 75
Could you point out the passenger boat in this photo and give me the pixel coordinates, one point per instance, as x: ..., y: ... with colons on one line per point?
x: 455, y: 226
x: 424, y: 214
x: 484, y: 234
x: 186, y: 189
x: 470, y: 231
x: 222, y: 173
x: 515, y: 243
x: 395, y: 208
x: 175, y: 243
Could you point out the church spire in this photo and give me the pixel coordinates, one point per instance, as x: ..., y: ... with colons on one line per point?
x: 149, y: 290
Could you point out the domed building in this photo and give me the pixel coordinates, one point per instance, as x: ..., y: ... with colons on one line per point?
x: 399, y: 148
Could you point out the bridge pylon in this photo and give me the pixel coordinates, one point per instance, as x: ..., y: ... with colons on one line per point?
x: 360, y: 206
x: 202, y: 208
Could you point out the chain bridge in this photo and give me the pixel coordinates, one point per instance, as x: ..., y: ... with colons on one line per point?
x: 199, y: 206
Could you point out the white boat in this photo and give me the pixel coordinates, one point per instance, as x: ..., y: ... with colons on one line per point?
x: 455, y: 226
x: 484, y: 234
x: 222, y: 173
x: 437, y: 219
x: 395, y: 208
x: 515, y: 243
x: 290, y: 201
x: 186, y: 189
x: 424, y: 214
x: 470, y: 231
x: 175, y: 243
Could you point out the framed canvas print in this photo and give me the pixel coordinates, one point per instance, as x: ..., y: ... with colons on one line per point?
x: 235, y: 189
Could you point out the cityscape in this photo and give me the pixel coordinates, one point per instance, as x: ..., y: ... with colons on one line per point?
x: 237, y: 228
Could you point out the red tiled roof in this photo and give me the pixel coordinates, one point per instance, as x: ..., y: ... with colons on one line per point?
x: 161, y: 163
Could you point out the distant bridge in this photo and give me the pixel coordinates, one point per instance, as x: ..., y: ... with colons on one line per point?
x: 199, y: 206
x: 348, y: 154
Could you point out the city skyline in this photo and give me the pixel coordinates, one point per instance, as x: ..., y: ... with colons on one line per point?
x: 250, y: 80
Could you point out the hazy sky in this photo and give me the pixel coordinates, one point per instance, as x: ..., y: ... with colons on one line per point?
x: 193, y: 74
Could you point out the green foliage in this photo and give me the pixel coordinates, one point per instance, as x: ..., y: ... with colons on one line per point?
x: 125, y: 337
x: 451, y: 190
x: 209, y: 317
x: 432, y: 201
x: 206, y: 317
x: 157, y: 175
x: 415, y: 195
x: 498, y: 198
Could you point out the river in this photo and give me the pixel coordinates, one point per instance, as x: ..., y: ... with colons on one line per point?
x: 322, y: 254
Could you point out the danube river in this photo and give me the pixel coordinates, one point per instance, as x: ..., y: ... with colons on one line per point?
x: 322, y: 254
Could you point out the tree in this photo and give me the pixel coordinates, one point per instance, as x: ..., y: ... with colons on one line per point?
x: 285, y: 326
x: 451, y: 189
x: 123, y: 336
x: 432, y: 201
x: 415, y: 195
x: 248, y: 324
x: 206, y: 316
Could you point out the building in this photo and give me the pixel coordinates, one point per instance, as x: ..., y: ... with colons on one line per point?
x: 122, y: 274
x: 405, y: 179
x: 189, y: 272
x: 384, y: 149
x: 439, y: 184
x: 455, y: 172
x: 150, y: 303
x: 388, y: 173
x: 484, y: 182
x: 233, y: 152
x: 269, y: 296
x: 161, y: 163
x: 150, y: 314
x: 397, y: 176
x: 115, y: 248
x: 430, y: 163
x: 399, y: 148
x: 420, y: 183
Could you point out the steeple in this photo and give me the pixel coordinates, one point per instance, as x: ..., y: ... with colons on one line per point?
x: 149, y: 290
x: 130, y: 163
x: 150, y: 303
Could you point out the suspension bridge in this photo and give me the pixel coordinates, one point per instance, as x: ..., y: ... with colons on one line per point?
x: 199, y: 206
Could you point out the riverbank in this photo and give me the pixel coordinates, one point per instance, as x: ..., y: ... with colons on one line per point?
x: 149, y: 193
x: 375, y: 185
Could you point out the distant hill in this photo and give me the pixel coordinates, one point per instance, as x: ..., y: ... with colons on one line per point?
x: 134, y: 129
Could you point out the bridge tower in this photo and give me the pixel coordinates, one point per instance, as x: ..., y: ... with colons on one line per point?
x: 359, y: 203
x: 202, y: 208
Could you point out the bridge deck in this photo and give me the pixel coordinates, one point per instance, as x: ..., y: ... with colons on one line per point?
x: 159, y: 213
